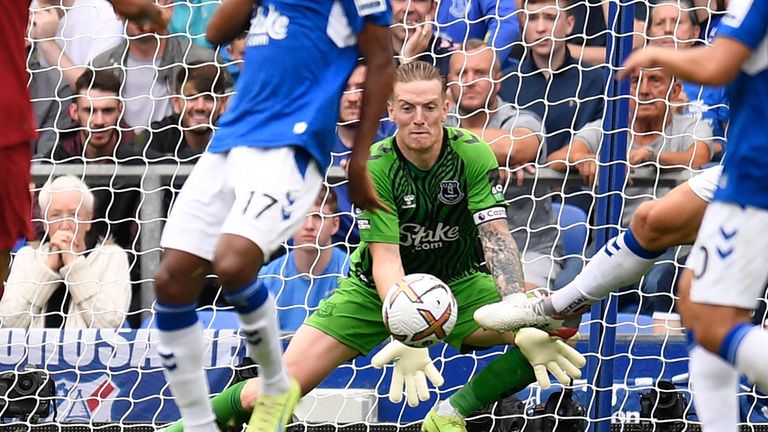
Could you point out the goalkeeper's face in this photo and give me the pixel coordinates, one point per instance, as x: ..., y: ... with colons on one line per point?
x: 419, y: 109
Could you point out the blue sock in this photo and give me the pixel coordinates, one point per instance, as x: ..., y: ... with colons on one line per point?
x: 175, y: 317
x: 248, y: 298
x: 732, y: 341
x: 634, y: 246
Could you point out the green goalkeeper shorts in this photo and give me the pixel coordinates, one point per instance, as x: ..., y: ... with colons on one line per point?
x: 352, y: 314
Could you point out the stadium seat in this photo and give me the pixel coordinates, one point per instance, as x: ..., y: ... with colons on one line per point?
x: 573, y: 222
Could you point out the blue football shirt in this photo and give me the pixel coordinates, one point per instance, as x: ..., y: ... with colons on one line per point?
x: 296, y: 295
x: 298, y: 57
x: 745, y: 173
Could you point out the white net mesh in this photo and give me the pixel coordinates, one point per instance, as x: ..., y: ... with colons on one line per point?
x: 546, y: 126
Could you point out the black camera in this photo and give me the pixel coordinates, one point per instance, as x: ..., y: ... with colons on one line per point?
x: 26, y: 394
x: 665, y: 404
x: 561, y: 413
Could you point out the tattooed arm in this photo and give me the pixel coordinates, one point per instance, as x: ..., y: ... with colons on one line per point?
x: 502, y: 257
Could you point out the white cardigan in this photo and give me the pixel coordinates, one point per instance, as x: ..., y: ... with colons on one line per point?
x: 99, y: 288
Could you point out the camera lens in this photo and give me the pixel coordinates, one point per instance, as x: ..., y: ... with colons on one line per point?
x: 26, y: 384
x: 667, y: 395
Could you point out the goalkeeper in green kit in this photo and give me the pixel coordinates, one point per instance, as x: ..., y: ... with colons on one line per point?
x: 447, y: 218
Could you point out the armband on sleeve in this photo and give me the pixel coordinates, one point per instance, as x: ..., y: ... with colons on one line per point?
x: 489, y: 214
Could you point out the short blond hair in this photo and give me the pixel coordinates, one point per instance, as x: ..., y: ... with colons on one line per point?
x: 419, y: 71
x: 64, y: 184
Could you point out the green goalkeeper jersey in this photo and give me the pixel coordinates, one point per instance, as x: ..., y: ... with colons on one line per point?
x: 434, y: 212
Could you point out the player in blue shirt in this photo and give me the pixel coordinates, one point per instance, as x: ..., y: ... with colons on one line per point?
x: 727, y: 263
x: 260, y: 175
x: 490, y: 20
x: 311, y: 269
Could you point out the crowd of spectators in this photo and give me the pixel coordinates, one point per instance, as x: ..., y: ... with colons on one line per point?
x: 527, y: 76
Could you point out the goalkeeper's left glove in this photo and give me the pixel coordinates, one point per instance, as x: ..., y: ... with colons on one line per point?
x: 412, y: 367
x: 546, y: 353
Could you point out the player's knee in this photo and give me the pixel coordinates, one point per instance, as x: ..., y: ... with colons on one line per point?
x: 711, y: 324
x: 237, y: 263
x: 232, y: 270
x: 708, y: 336
x: 170, y: 286
x: 649, y: 227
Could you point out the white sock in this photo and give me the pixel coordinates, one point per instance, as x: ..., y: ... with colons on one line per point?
x: 445, y: 408
x: 750, y: 357
x: 182, y: 353
x: 263, y: 336
x: 714, y: 383
x: 622, y: 261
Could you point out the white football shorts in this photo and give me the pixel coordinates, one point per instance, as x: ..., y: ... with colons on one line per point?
x: 262, y: 194
x: 730, y: 255
x: 704, y: 183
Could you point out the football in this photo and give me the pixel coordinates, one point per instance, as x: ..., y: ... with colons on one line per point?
x: 420, y: 310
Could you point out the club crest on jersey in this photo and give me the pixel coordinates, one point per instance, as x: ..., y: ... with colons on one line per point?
x: 267, y: 24
x: 450, y: 193
x: 409, y: 201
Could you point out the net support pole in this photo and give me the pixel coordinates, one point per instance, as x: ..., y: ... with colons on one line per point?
x: 151, y: 216
x: 611, y: 180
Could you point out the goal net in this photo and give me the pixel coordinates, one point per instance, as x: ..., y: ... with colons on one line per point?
x: 564, y: 131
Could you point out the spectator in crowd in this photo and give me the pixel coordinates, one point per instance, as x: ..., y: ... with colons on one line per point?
x: 236, y: 52
x: 674, y: 23
x: 414, y: 36
x: 147, y: 62
x: 659, y: 138
x: 68, y: 34
x: 490, y: 20
x: 67, y: 280
x: 95, y: 112
x: 516, y: 137
x: 190, y: 19
x: 548, y: 81
x: 98, y: 138
x: 185, y: 134
x: 349, y: 116
x: 309, y: 272
x: 49, y: 94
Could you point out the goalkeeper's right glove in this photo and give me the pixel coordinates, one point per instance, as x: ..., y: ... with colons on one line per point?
x: 412, y: 368
x: 547, y: 353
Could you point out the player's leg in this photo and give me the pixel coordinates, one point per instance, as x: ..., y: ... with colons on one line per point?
x: 310, y: 357
x: 728, y: 261
x: 15, y: 201
x: 714, y: 381
x: 507, y: 374
x: 657, y: 225
x: 273, y: 189
x: 189, y: 239
x: 347, y: 323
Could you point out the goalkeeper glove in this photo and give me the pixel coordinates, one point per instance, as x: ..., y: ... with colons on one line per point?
x: 546, y: 353
x: 412, y: 368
